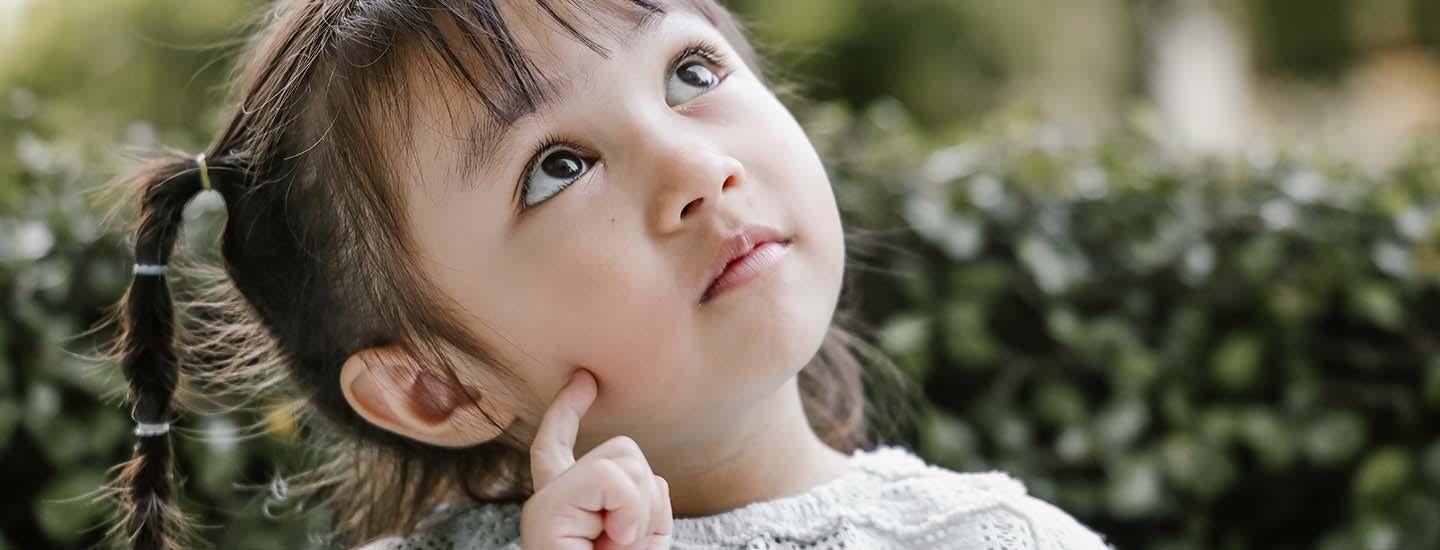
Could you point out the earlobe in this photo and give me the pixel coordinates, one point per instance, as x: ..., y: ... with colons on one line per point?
x: 385, y: 387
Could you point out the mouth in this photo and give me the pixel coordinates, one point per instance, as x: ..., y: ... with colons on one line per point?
x: 743, y: 257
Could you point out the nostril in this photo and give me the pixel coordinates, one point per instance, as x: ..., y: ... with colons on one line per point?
x: 686, y: 211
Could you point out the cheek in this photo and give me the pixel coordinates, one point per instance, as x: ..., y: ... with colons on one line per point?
x: 619, y: 320
x: 794, y: 176
x: 589, y: 297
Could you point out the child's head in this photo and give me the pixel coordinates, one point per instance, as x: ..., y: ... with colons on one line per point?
x: 437, y: 211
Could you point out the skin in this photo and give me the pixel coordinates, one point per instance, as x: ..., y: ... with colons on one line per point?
x: 606, y: 275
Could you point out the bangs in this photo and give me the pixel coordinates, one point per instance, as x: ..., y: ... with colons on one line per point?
x: 395, y: 55
x: 466, y: 35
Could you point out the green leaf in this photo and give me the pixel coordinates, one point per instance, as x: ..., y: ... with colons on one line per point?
x: 1074, y: 444
x: 1010, y: 431
x: 948, y: 439
x: 1235, y: 366
x: 1135, y: 370
x: 967, y: 338
x: 1335, y: 437
x: 1378, y: 532
x: 1133, y: 487
x: 1121, y: 422
x: 1064, y: 325
x: 1291, y: 305
x: 1383, y: 473
x: 1196, y: 466
x: 1059, y: 403
x: 1267, y: 436
x: 908, y: 337
x: 1176, y: 404
x: 1260, y: 257
x: 1376, y: 303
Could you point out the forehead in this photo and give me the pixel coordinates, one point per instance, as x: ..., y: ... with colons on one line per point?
x: 480, y: 70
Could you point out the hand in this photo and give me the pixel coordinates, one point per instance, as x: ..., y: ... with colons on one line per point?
x: 609, y: 499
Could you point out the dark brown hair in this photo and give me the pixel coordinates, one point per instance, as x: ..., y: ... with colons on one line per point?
x: 315, y: 258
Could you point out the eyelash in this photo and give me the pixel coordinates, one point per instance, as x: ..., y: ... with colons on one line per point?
x: 697, y: 48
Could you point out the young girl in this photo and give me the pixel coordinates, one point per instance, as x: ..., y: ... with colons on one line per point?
x: 481, y: 239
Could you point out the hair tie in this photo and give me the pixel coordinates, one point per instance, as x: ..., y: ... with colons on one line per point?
x: 151, y: 269
x: 204, y: 171
x: 149, y: 429
x: 146, y: 429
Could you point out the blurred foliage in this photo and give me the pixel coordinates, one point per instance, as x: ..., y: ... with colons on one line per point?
x: 77, y: 85
x: 951, y: 61
x: 1182, y: 353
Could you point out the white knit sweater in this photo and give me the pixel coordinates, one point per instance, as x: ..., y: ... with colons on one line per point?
x: 889, y: 499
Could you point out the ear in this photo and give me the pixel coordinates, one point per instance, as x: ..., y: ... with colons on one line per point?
x: 385, y: 387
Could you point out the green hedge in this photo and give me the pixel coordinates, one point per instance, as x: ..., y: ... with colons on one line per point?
x: 1184, y: 353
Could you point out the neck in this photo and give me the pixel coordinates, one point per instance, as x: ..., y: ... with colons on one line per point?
x: 770, y: 452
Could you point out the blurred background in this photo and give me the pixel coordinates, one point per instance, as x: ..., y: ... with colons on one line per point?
x: 1173, y: 263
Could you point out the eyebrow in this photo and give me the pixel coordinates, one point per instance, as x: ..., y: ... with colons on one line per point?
x: 488, y: 133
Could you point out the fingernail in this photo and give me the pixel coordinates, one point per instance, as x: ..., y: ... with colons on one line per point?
x: 579, y: 374
x: 626, y: 534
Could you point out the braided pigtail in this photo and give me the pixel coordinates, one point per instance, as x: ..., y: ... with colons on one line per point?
x: 145, y: 485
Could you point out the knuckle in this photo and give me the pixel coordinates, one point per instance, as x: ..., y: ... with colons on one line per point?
x: 624, y: 444
x: 637, y: 469
x: 612, y: 473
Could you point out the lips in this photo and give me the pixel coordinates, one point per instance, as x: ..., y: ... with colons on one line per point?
x: 737, y: 246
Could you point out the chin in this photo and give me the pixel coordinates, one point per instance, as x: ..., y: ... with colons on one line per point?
x: 770, y: 333
x: 817, y: 329
x: 805, y: 328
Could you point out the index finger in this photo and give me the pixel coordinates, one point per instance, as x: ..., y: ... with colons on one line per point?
x: 553, y: 450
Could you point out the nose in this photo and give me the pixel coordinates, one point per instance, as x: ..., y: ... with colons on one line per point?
x: 691, y: 182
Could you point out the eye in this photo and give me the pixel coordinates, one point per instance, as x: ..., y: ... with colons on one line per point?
x: 555, y: 168
x: 696, y: 72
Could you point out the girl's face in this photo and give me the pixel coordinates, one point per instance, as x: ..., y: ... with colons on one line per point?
x: 586, y: 237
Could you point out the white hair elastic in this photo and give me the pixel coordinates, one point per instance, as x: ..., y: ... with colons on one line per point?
x: 151, y: 269
x: 146, y: 429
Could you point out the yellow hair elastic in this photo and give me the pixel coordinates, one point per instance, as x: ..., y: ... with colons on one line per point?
x: 204, y: 172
